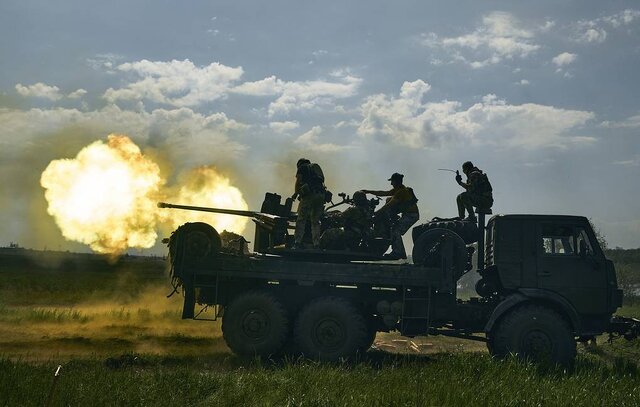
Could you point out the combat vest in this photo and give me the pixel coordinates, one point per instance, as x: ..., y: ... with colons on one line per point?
x: 312, y: 177
x: 403, y: 207
x: 481, y: 185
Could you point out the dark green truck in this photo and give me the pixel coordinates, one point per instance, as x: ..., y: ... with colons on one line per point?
x: 545, y: 285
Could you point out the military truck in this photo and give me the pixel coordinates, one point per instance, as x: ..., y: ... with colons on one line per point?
x: 546, y: 284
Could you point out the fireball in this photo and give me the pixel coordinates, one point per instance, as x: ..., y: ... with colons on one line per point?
x: 104, y: 197
x: 205, y: 186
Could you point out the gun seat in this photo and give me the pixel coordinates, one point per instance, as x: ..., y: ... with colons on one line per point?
x: 484, y: 211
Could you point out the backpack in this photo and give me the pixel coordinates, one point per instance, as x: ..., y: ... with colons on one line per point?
x: 484, y: 186
x: 316, y: 173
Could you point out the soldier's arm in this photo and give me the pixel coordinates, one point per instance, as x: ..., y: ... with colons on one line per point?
x: 378, y: 193
x: 297, y: 186
x: 466, y: 185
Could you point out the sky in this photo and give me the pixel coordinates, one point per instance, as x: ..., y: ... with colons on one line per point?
x: 543, y: 96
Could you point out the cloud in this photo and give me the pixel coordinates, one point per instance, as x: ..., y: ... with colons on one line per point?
x: 104, y: 62
x: 523, y: 82
x: 283, y: 127
x: 632, y: 122
x: 186, y: 137
x: 77, y: 94
x: 500, y: 36
x: 593, y: 31
x: 410, y: 121
x: 175, y: 83
x: 304, y: 95
x: 39, y: 90
x: 633, y: 162
x: 563, y: 59
x: 625, y: 17
x: 183, y: 84
x: 311, y: 141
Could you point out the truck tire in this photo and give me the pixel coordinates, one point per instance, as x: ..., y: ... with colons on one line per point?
x: 468, y: 231
x: 330, y: 329
x: 199, y: 239
x: 426, y: 250
x: 534, y: 332
x: 255, y: 324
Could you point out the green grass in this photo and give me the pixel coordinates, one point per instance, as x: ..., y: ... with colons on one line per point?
x: 88, y: 319
x: 381, y: 379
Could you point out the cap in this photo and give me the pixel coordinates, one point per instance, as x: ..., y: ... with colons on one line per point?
x: 396, y: 175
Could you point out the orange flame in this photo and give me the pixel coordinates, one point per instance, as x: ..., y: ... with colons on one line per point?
x: 106, y: 197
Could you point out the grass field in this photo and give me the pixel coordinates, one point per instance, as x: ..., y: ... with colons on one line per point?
x: 120, y: 341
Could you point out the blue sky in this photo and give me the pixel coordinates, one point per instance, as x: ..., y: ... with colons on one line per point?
x: 544, y: 96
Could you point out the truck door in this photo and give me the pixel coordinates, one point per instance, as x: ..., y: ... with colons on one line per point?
x: 568, y: 266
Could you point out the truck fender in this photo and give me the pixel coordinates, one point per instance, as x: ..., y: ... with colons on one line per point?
x: 539, y: 295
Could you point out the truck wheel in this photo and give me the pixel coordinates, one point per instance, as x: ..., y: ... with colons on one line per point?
x: 200, y: 239
x: 426, y: 250
x: 255, y: 323
x: 534, y: 332
x: 330, y: 329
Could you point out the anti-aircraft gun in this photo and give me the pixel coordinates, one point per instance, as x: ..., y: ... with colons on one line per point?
x: 273, y: 223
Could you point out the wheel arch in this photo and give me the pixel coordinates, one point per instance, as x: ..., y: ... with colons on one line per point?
x: 538, y: 296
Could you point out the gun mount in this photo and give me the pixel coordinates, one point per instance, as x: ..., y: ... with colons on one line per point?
x: 354, y: 234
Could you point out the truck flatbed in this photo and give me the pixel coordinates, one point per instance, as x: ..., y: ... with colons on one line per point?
x: 275, y: 268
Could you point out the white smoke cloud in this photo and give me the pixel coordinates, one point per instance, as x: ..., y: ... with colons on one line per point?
x: 500, y: 36
x: 409, y: 120
x: 39, y: 90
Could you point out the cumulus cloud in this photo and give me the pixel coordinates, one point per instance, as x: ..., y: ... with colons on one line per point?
x: 77, y: 94
x: 187, y: 137
x: 500, y: 36
x: 595, y: 31
x: 175, y: 83
x: 183, y: 84
x: 311, y: 141
x: 39, y: 90
x: 292, y: 96
x: 410, y: 121
x: 283, y: 127
x: 563, y: 59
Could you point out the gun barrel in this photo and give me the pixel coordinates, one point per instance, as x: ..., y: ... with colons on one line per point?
x: 236, y: 212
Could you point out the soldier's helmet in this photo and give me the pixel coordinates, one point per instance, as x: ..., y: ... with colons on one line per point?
x: 359, y: 198
x: 467, y: 166
x: 302, y: 161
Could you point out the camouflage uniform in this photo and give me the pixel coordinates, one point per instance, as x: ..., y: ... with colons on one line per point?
x: 479, y: 193
x: 357, y: 222
x: 400, y: 203
x: 310, y: 210
x: 311, y: 193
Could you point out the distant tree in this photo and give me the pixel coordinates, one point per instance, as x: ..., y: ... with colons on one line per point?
x: 601, y: 237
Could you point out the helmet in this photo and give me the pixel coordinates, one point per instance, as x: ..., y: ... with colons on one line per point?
x: 302, y: 161
x: 467, y: 165
x: 359, y: 198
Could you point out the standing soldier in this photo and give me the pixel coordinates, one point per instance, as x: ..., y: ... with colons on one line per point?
x: 310, y: 191
x: 403, y: 202
x: 479, y: 192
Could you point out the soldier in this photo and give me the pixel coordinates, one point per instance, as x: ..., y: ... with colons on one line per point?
x: 403, y: 202
x: 357, y: 220
x: 479, y: 192
x: 310, y: 191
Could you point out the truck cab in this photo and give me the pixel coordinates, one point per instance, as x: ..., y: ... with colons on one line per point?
x: 554, y: 259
